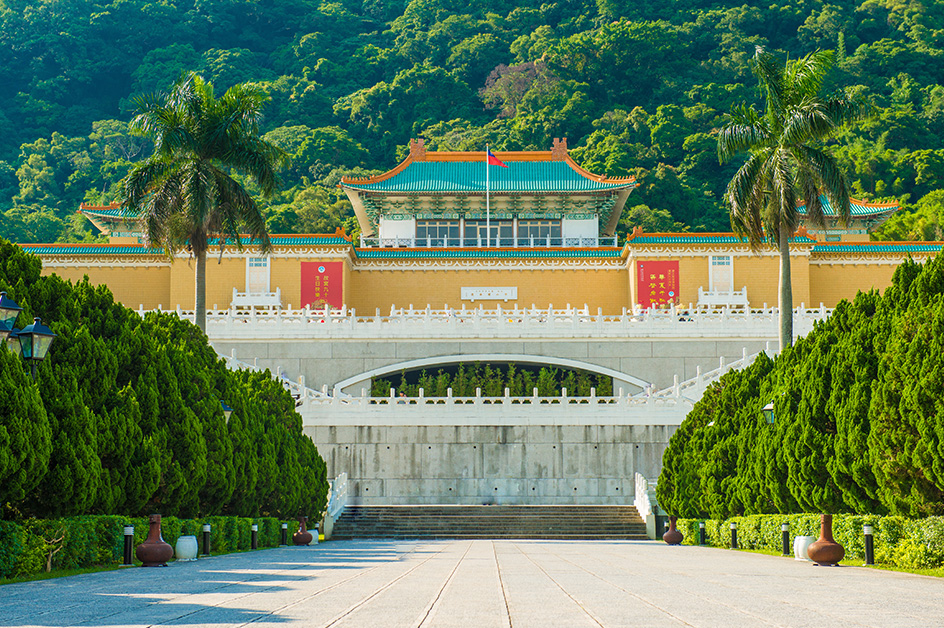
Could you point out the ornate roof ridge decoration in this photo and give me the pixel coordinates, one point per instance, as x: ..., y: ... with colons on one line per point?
x: 85, y: 248
x: 112, y: 210
x: 878, y: 247
x: 857, y: 209
x: 472, y: 254
x: 419, y: 154
x: 705, y: 238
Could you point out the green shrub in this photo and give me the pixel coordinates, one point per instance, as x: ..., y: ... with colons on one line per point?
x: 99, y: 539
x: 901, y: 542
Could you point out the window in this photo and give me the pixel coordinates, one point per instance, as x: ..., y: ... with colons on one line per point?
x: 437, y: 229
x: 257, y: 275
x: 437, y: 233
x: 721, y: 274
x: 540, y: 230
x: 502, y: 233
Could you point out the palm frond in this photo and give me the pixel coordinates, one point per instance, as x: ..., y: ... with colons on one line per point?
x: 744, y: 129
x: 746, y: 195
x: 807, y: 74
x: 782, y: 207
x: 769, y: 71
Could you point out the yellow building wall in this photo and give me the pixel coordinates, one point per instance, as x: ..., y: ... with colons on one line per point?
x: 376, y: 289
x: 834, y: 282
x: 221, y: 278
x: 761, y: 276
x: 132, y: 286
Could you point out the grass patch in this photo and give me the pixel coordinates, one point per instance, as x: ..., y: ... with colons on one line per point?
x: 936, y: 572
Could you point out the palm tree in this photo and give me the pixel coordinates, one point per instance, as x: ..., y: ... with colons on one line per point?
x: 184, y: 192
x: 787, y: 164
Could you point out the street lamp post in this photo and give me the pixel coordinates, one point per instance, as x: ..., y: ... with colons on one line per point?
x: 31, y: 343
x: 9, y: 310
x: 35, y: 341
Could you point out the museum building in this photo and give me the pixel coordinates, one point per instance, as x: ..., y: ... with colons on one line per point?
x: 444, y: 229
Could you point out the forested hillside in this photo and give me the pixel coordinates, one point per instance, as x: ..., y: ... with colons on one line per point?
x: 637, y: 88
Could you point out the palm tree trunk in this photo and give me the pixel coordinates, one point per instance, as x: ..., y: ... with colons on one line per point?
x: 200, y: 307
x: 786, y: 290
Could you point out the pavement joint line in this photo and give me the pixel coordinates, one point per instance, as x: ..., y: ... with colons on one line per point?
x: 663, y: 582
x: 501, y: 583
x: 728, y: 585
x: 379, y: 590
x: 238, y: 597
x: 592, y: 616
x: 624, y: 590
x: 432, y: 605
x: 299, y: 601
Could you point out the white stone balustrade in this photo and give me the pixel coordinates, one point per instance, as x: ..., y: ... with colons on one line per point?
x: 691, y: 322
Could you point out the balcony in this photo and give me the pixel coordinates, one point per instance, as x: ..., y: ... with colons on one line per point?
x: 479, y: 243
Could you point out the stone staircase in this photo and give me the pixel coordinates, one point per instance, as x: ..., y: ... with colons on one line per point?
x: 490, y: 522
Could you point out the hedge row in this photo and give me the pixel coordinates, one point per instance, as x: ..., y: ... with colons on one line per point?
x: 99, y: 539
x: 858, y: 425
x: 898, y: 541
x: 125, y: 416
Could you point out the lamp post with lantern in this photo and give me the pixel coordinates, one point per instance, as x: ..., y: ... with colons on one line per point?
x: 32, y: 342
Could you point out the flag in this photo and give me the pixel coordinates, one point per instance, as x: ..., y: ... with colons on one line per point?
x: 493, y: 160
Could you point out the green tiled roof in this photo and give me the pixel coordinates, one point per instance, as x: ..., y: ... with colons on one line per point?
x: 469, y: 177
x: 84, y: 249
x: 118, y: 212
x: 856, y: 208
x: 891, y: 247
x: 140, y: 249
x: 608, y: 252
x: 701, y: 239
x: 288, y: 240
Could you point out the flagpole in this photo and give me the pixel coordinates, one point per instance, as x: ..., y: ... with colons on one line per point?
x: 488, y: 220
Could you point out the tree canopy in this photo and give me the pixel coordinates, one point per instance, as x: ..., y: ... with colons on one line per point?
x: 858, y: 417
x: 638, y: 89
x: 125, y: 416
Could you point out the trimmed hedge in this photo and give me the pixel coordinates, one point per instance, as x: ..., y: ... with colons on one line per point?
x: 99, y: 539
x: 902, y: 542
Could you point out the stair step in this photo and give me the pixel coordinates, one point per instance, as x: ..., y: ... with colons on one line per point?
x: 490, y: 522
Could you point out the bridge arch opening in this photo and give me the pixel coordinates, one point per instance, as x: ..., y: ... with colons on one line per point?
x: 363, y: 382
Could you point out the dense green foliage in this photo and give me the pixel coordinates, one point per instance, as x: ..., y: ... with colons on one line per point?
x: 898, y: 541
x: 492, y: 380
x: 88, y: 541
x: 637, y: 88
x: 125, y: 416
x: 859, y: 417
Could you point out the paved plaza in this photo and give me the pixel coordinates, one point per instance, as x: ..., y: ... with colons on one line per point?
x: 480, y: 584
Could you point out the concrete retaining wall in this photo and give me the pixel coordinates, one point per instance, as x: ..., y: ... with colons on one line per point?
x: 476, y: 464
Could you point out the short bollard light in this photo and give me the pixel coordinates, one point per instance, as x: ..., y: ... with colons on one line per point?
x: 734, y: 535
x: 785, y: 531
x: 206, y: 539
x: 129, y: 546
x: 255, y: 536
x: 701, y: 533
x: 869, y: 547
x: 283, y: 539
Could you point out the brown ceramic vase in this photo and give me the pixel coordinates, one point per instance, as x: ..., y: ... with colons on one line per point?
x: 825, y: 550
x: 672, y: 536
x: 303, y: 536
x: 154, y: 552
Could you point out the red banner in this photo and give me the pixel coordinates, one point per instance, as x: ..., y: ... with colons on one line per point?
x: 658, y: 283
x: 321, y: 284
